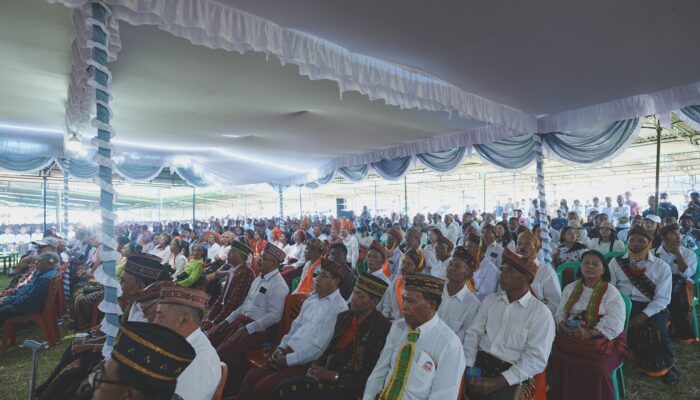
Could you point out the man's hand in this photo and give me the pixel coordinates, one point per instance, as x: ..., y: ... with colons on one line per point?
x: 322, y: 374
x: 278, y: 360
x: 487, y: 386
x: 579, y: 333
x: 638, y: 320
x: 206, y: 324
x: 241, y: 333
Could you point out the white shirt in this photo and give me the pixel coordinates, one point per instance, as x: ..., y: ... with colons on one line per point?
x: 264, y: 303
x: 620, y: 211
x: 389, y: 304
x: 366, y: 241
x: 312, y: 330
x: 222, y: 253
x: 212, y: 251
x: 597, y: 245
x: 608, y: 210
x: 622, y: 235
x: 353, y: 247
x: 520, y: 333
x: 439, y: 268
x: 691, y: 260
x: 136, y: 313
x: 437, y: 347
x: 295, y: 251
x: 201, y: 378
x: 494, y: 253
x: 176, y: 261
x: 395, y: 262
x: 20, y: 238
x: 7, y: 238
x: 229, y: 279
x: 380, y: 274
x: 452, y: 233
x: 657, y: 271
x: 458, y: 311
x: 486, y: 279
x: 37, y: 236
x: 546, y: 286
x: 612, y: 309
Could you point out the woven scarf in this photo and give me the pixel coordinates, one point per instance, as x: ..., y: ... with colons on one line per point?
x: 398, y: 286
x: 307, y: 285
x: 385, y: 265
x: 397, y: 383
x: 593, y: 307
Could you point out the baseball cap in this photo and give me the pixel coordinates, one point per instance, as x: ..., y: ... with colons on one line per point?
x: 47, y: 256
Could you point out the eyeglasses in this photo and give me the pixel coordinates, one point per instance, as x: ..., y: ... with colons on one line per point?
x: 95, y: 380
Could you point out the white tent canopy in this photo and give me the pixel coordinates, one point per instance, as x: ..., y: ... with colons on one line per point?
x: 429, y: 78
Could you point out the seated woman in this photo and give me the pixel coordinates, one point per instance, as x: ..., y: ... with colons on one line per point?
x: 569, y: 248
x: 590, y: 339
x: 607, y: 240
x: 391, y: 304
x: 193, y: 270
x: 177, y: 260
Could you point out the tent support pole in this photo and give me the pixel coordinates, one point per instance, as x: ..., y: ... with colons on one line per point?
x: 193, y: 207
x: 485, y: 192
x: 279, y: 190
x: 301, y: 208
x: 46, y: 175
x: 405, y: 195
x: 658, y: 165
x: 376, y: 210
x: 542, y: 200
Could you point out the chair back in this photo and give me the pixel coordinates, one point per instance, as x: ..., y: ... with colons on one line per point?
x: 628, y: 309
x: 219, y: 394
x: 613, y: 254
x: 567, y: 272
x: 292, y: 308
x: 52, y: 304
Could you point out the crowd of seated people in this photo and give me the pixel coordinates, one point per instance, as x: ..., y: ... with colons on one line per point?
x: 442, y: 306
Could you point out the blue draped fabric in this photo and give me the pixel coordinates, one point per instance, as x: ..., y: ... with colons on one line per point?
x: 443, y: 161
x: 589, y: 146
x: 312, y: 185
x: 139, y: 173
x: 692, y: 112
x: 191, y: 177
x: 326, y: 179
x: 78, y: 168
x: 511, y: 153
x: 23, y: 163
x: 356, y: 173
x: 392, y: 169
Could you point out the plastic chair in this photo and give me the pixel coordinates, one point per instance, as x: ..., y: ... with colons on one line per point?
x: 618, y: 377
x: 292, y: 308
x: 613, y: 254
x: 574, y: 266
x: 47, y: 320
x: 295, y: 283
x: 219, y: 394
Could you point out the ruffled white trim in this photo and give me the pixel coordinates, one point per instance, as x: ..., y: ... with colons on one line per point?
x: 687, y: 120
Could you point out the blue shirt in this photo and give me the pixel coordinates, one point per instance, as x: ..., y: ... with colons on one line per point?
x: 558, y: 223
x: 30, y: 298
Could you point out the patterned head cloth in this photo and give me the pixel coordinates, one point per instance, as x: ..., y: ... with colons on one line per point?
x: 371, y: 284
x: 152, y: 351
x: 316, y: 244
x: 424, y: 283
x: 152, y: 291
x: 242, y: 247
x: 334, y: 268
x: 461, y: 253
x: 183, y: 296
x: 396, y: 233
x: 275, y: 252
x: 375, y: 245
x: 521, y: 263
x: 145, y: 267
x: 640, y: 231
x: 669, y: 228
x: 528, y: 234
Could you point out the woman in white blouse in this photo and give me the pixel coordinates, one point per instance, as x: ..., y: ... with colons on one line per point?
x: 590, y: 339
x: 295, y: 252
x: 177, y: 260
x: 569, y: 248
x: 608, y: 241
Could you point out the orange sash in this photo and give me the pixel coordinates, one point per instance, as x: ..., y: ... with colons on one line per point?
x: 385, y: 267
x: 349, y: 335
x: 398, y: 286
x: 307, y: 285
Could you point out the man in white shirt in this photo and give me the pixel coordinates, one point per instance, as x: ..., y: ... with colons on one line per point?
x: 23, y: 237
x: 459, y: 305
x: 8, y: 237
x: 607, y: 208
x: 510, y: 338
x: 485, y: 273
x: 546, y: 283
x: 254, y: 323
x: 307, y: 339
x: 181, y: 309
x: 621, y: 210
x: 646, y: 280
x: 451, y: 231
x: 421, y: 358
x: 683, y: 263
x: 353, y: 246
x: 443, y: 252
x: 394, y: 253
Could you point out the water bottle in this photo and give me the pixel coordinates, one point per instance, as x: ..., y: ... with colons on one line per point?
x: 473, y: 372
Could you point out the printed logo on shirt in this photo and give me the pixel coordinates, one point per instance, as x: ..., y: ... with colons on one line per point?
x: 263, y: 290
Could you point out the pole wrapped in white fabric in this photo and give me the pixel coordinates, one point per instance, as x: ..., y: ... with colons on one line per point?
x: 542, y: 200
x: 64, y: 227
x: 98, y: 16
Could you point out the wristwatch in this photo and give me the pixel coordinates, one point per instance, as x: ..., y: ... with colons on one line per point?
x: 335, y: 378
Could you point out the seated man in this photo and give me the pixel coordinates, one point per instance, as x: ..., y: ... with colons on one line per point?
x: 510, y: 338
x: 24, y: 269
x: 339, y: 253
x: 307, y: 339
x: 377, y: 262
x: 254, y: 323
x: 422, y: 357
x: 313, y: 254
x: 30, y: 298
x: 394, y: 237
x: 546, y: 284
x: 683, y: 263
x: 647, y: 281
x: 181, y: 309
x: 358, y: 338
x: 485, y: 274
x: 238, y: 279
x: 145, y: 364
x: 459, y: 304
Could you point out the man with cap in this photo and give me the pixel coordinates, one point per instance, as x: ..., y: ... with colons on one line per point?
x: 422, y: 357
x: 393, y: 241
x: 30, y: 298
x: 689, y: 236
x: 254, y: 323
x: 443, y: 253
x: 146, y: 361
x: 338, y: 252
x: 647, y: 281
x: 683, y: 263
x: 307, y: 339
x: 546, y: 283
x: 239, y: 277
x: 485, y: 273
x: 510, y: 339
x: 181, y: 309
x: 315, y: 249
x: 140, y: 271
x: 378, y: 262
x: 693, y: 208
x: 358, y: 338
x: 459, y: 304
x: 24, y: 269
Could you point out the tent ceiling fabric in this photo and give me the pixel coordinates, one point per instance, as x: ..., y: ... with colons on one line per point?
x: 501, y: 68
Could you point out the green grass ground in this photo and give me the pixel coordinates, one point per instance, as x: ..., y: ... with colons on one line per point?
x: 16, y: 366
